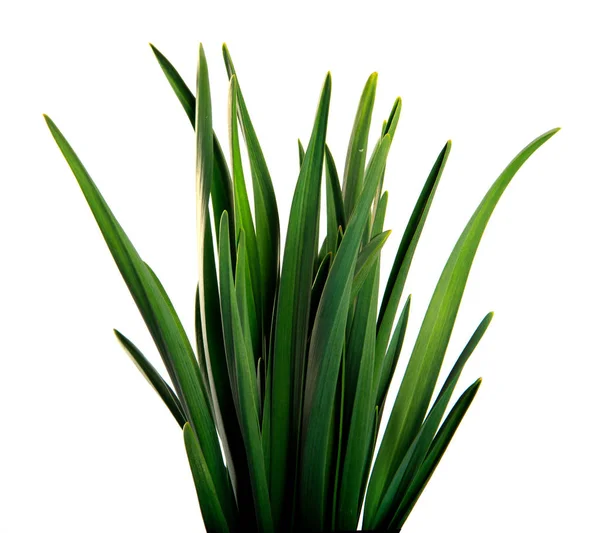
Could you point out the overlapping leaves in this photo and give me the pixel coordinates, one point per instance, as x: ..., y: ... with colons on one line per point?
x: 281, y: 403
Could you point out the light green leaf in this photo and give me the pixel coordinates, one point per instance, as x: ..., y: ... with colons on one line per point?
x: 357, y: 148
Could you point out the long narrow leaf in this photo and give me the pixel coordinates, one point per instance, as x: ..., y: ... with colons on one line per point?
x: 265, y: 204
x: 215, y: 519
x: 413, y: 460
x: 174, y: 347
x: 434, y: 456
x: 336, y: 216
x: 291, y: 327
x: 404, y: 256
x: 357, y: 147
x: 221, y: 188
x: 154, y: 378
x: 424, y: 365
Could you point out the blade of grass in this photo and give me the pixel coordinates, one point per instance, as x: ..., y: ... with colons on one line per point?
x: 336, y: 217
x: 243, y: 218
x: 357, y: 147
x: 154, y: 378
x: 221, y: 187
x: 434, y: 456
x: 212, y: 512
x: 424, y: 365
x: 265, y: 205
x: 392, y: 354
x: 291, y: 327
x: 404, y: 256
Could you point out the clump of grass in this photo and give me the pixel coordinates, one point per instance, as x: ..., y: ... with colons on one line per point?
x: 280, y: 402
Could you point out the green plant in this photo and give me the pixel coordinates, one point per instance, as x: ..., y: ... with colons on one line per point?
x: 293, y: 363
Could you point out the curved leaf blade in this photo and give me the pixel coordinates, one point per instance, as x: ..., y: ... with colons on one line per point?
x: 154, y: 378
x: 427, y: 356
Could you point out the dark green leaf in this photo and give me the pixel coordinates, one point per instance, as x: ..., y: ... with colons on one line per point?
x: 265, y: 205
x: 336, y: 217
x: 428, y: 353
x: 154, y: 378
x: 245, y: 379
x: 168, y: 335
x: 434, y: 456
x: 291, y: 327
x: 215, y: 519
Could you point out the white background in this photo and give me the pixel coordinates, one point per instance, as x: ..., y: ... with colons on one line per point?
x: 85, y: 445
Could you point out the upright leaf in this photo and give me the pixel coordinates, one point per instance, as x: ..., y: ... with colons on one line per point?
x: 265, y: 205
x: 357, y: 148
x: 291, y: 327
x: 404, y: 256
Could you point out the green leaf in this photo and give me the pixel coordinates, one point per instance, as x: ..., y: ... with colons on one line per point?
x: 357, y: 148
x: 172, y: 344
x: 359, y: 405
x: 291, y: 327
x: 434, y: 456
x: 404, y: 256
x: 154, y: 378
x: 265, y: 205
x: 366, y: 260
x: 300, y: 152
x: 322, y: 372
x: 336, y: 217
x: 245, y: 379
x: 243, y: 218
x: 393, y: 353
x: 183, y: 93
x: 410, y: 463
x: 318, y: 285
x: 213, y: 514
x: 418, y: 450
x: 424, y: 365
x: 221, y: 189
